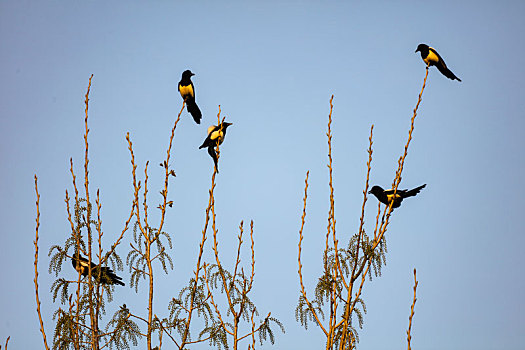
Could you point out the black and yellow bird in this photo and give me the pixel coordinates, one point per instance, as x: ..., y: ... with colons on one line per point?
x: 216, y: 134
x: 104, y: 275
x: 187, y: 91
x: 386, y: 196
x: 432, y: 58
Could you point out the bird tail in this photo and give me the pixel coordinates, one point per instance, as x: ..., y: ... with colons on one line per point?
x: 414, y: 191
x: 211, y: 152
x: 109, y: 277
x: 116, y: 279
x: 194, y: 110
x: 447, y: 72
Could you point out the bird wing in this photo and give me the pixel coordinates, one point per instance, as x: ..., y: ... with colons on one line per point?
x: 84, y: 263
x: 441, y: 62
x: 206, y: 142
x: 211, y: 128
x: 212, y: 136
x: 442, y: 66
x: 390, y: 194
x: 109, y: 277
x: 431, y: 51
x: 217, y: 135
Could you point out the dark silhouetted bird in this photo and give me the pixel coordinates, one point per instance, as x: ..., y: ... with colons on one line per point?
x: 107, y: 276
x: 386, y: 196
x: 432, y: 58
x: 187, y: 91
x: 216, y: 134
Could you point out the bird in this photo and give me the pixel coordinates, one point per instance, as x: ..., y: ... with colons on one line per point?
x: 386, y: 196
x: 432, y: 58
x: 187, y: 91
x: 216, y: 134
x: 104, y: 276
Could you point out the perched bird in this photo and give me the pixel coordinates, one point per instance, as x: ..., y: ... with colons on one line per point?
x: 386, y: 196
x: 107, y: 276
x: 216, y: 134
x: 187, y: 91
x: 432, y: 58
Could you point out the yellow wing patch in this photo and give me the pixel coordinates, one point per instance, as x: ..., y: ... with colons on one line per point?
x: 186, y: 91
x: 431, y: 57
x: 217, y: 135
x: 391, y: 196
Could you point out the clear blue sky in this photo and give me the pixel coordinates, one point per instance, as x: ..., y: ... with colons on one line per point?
x: 272, y: 66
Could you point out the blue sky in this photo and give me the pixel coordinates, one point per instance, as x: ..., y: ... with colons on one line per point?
x: 272, y: 66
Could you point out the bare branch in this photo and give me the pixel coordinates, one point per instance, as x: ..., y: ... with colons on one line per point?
x: 36, y: 266
x: 409, y: 337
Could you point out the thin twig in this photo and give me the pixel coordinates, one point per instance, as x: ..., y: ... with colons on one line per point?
x: 409, y: 337
x: 299, y: 271
x: 36, y: 266
x: 348, y: 310
x: 213, y: 302
x: 6, y: 342
x: 252, y: 276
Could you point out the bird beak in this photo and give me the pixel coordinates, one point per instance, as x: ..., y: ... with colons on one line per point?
x: 192, y: 74
x: 370, y: 192
x: 415, y: 51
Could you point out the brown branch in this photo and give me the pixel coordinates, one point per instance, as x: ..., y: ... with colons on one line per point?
x: 36, y: 266
x: 169, y: 335
x: 299, y: 271
x: 409, y: 337
x: 336, y: 271
x: 6, y: 342
x: 167, y: 171
x: 93, y: 319
x: 100, y: 291
x: 76, y: 335
x: 199, y: 340
x: 219, y: 265
x: 223, y: 325
x: 348, y: 311
x: 145, y: 202
x: 254, y: 330
x: 136, y: 185
x: 330, y: 216
x: 216, y: 251
x: 252, y: 276
x: 139, y: 318
x: 198, y: 268
x: 217, y: 148
x: 401, y: 162
x: 238, y: 260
